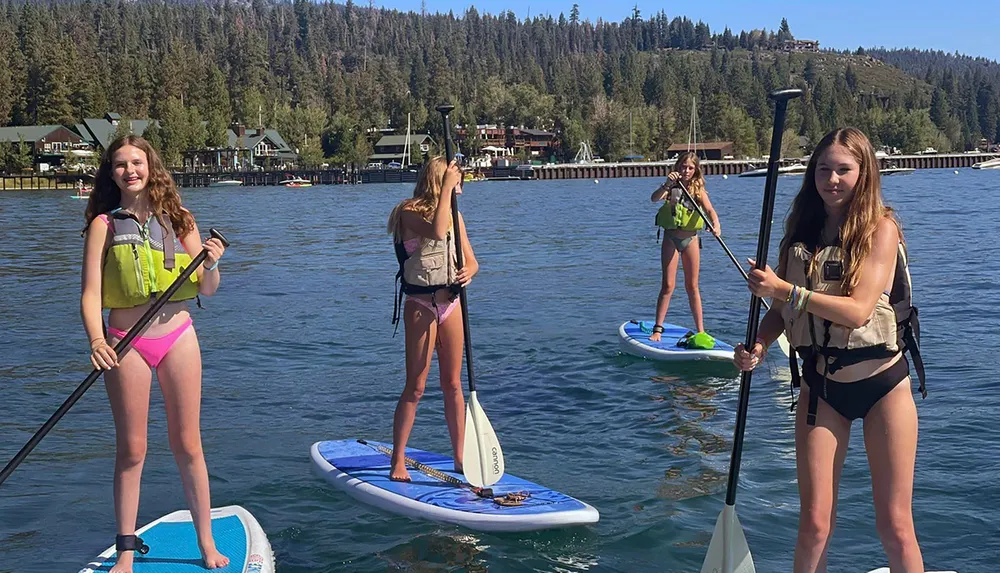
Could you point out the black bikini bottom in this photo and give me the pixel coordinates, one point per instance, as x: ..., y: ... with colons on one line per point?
x: 852, y: 400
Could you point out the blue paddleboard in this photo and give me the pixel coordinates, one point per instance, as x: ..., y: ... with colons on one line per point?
x: 634, y: 339
x: 362, y: 471
x: 173, y: 546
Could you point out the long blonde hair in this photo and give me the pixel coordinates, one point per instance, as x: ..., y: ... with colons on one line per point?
x: 426, y: 194
x: 163, y: 194
x: 697, y: 184
x: 808, y: 215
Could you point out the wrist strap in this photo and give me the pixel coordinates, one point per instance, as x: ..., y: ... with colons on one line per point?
x: 213, y: 267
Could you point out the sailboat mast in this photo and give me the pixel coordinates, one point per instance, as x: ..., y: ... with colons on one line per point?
x: 406, y: 145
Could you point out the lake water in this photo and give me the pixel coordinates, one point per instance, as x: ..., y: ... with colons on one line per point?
x: 298, y: 348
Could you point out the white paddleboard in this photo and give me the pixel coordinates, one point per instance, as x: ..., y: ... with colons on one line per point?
x: 173, y: 545
x: 886, y: 570
x: 362, y: 471
x: 634, y: 339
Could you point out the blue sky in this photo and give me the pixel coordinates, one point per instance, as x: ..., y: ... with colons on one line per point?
x: 969, y: 27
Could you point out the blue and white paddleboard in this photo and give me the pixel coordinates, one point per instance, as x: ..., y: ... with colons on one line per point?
x: 362, y: 471
x: 173, y: 546
x: 886, y: 570
x: 634, y: 339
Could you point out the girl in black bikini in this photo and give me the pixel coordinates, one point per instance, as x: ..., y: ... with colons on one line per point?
x: 831, y: 297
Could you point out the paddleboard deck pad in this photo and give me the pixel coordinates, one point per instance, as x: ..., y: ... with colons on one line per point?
x: 173, y: 545
x: 362, y: 471
x: 634, y: 339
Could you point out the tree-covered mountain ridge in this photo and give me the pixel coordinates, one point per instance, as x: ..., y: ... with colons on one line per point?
x: 328, y: 76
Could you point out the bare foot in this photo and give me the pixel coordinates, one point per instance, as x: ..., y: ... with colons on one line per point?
x: 655, y: 337
x: 213, y: 559
x: 459, y: 468
x: 124, y: 562
x: 399, y: 473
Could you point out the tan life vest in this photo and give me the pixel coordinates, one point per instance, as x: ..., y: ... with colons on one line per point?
x: 432, y: 267
x: 821, y: 272
x: 433, y: 264
x: 892, y: 327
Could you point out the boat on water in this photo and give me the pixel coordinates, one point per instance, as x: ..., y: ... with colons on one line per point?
x: 226, y: 183
x: 469, y: 176
x: 988, y: 164
x: 296, y: 182
x: 793, y: 169
x: 894, y: 169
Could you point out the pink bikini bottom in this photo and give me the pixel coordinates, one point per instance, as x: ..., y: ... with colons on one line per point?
x: 153, y: 349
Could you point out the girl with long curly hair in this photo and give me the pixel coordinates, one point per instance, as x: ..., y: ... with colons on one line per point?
x: 138, y: 240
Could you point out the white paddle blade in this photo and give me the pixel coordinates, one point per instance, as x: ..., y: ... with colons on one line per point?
x: 482, y: 458
x: 784, y: 345
x: 728, y: 551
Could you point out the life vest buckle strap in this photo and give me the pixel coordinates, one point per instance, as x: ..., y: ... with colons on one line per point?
x: 813, y: 407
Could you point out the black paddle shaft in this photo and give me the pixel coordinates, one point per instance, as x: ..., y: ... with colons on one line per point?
x: 781, y: 98
x: 449, y: 150
x: 120, y: 348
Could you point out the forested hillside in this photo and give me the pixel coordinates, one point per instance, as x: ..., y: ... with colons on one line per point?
x: 324, y: 74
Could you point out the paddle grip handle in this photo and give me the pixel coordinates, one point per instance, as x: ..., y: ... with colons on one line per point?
x: 120, y: 348
x: 449, y: 149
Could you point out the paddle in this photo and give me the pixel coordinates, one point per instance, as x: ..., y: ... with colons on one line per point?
x: 120, y: 348
x: 433, y: 472
x: 782, y: 341
x: 728, y: 551
x: 482, y: 458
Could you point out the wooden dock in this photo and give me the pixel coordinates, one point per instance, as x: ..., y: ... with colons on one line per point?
x: 352, y: 175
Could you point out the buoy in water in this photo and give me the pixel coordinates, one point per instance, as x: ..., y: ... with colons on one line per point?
x: 956, y: 172
x: 596, y: 181
x: 725, y: 177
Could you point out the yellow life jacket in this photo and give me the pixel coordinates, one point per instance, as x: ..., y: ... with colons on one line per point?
x: 143, y: 261
x: 679, y: 213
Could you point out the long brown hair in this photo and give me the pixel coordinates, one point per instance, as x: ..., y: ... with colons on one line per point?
x: 808, y: 215
x: 426, y: 194
x: 697, y: 184
x: 163, y: 194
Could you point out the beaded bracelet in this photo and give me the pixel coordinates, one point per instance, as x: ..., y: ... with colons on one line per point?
x: 803, y: 298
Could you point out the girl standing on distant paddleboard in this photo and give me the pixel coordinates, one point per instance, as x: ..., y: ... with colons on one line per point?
x: 840, y: 293
x: 138, y: 241
x: 424, y: 238
x: 681, y: 222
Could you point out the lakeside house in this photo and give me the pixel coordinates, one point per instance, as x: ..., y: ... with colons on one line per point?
x: 49, y: 145
x: 57, y: 146
x: 533, y: 143
x: 98, y: 131
x: 391, y: 148
x: 794, y: 45
x: 708, y: 150
x: 245, y: 149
